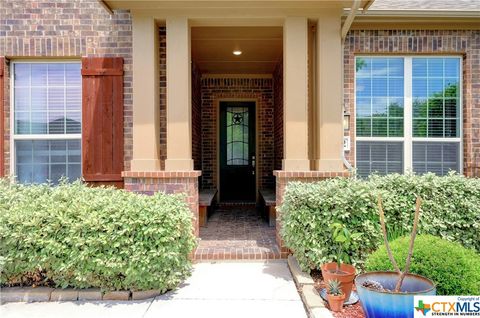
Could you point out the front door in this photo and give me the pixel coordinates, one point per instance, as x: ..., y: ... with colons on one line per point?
x: 237, y: 151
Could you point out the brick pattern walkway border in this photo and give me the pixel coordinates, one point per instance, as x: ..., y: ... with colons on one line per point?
x: 236, y: 232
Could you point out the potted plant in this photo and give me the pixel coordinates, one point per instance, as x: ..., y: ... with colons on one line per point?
x: 341, y: 270
x: 390, y: 294
x: 335, y: 295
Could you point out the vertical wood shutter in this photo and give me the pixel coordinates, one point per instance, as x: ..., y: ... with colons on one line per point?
x: 2, y: 117
x: 102, y: 119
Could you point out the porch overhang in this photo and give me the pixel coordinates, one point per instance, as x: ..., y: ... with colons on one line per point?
x: 309, y: 30
x: 273, y: 10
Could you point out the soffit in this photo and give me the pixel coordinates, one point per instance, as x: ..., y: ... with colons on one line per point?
x: 212, y: 49
x: 426, y: 5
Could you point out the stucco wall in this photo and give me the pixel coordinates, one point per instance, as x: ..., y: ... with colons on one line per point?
x: 462, y: 42
x: 66, y: 29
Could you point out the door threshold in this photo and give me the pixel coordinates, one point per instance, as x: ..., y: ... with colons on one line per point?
x: 237, y: 203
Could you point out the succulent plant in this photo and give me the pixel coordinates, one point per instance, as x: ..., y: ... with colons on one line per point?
x: 334, y: 287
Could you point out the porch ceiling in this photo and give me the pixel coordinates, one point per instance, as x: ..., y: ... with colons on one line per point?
x: 212, y: 49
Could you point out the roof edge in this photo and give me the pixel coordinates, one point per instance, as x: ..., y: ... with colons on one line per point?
x: 419, y: 13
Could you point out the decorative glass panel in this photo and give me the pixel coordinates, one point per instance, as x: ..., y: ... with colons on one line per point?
x: 38, y: 161
x: 379, y: 157
x: 379, y: 94
x: 436, y: 157
x: 436, y: 98
x: 47, y: 98
x: 237, y: 136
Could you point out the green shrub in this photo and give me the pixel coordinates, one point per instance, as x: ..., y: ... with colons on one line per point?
x: 450, y: 209
x: 81, y: 237
x: 454, y: 269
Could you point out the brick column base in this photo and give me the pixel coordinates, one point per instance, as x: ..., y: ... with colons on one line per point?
x: 283, y: 178
x: 168, y: 182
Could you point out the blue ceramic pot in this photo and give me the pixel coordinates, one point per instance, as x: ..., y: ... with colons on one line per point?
x: 379, y: 304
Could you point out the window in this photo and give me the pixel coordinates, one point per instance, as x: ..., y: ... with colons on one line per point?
x: 237, y: 136
x: 46, y: 121
x: 408, y: 114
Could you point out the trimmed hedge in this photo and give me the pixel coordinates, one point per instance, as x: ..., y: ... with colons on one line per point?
x: 454, y: 269
x: 450, y: 209
x: 77, y: 236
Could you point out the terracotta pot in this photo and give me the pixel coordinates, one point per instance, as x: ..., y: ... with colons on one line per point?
x: 345, y: 277
x: 336, y: 302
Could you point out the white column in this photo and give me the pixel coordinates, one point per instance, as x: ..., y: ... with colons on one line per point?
x: 179, y: 101
x: 295, y: 88
x: 329, y: 92
x: 146, y: 118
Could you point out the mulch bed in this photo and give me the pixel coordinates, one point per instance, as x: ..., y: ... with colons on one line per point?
x: 31, y: 279
x: 352, y: 311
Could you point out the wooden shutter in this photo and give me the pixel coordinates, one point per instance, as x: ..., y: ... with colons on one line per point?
x: 2, y: 116
x: 102, y: 119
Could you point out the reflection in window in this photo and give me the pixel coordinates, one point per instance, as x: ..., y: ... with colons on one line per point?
x: 434, y: 104
x: 47, y: 121
x: 47, y: 98
x: 237, y: 136
x: 379, y: 97
x: 41, y: 160
x: 436, y: 98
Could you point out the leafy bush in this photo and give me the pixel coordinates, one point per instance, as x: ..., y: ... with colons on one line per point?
x: 450, y: 209
x: 454, y: 269
x: 81, y: 237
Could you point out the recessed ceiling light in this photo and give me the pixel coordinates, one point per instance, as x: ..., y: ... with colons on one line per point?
x: 237, y: 52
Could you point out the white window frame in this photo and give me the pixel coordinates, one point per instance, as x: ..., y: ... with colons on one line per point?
x: 408, y: 138
x: 13, y: 135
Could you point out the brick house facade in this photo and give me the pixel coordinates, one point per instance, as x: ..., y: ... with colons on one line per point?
x: 66, y: 29
x: 170, y: 107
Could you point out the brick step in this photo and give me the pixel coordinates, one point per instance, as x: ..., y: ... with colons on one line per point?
x: 238, y: 253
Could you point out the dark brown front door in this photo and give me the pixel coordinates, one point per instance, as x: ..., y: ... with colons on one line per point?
x: 237, y: 151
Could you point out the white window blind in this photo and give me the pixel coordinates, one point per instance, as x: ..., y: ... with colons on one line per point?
x: 436, y: 157
x: 47, y: 121
x: 380, y: 157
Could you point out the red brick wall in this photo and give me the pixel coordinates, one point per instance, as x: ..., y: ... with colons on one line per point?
x: 66, y: 29
x: 465, y: 43
x: 259, y: 89
x: 196, y: 117
x: 162, y: 45
x: 278, y: 116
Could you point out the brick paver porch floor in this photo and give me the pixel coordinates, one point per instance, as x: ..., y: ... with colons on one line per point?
x: 237, y: 233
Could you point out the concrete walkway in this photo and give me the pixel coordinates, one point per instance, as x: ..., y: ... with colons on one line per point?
x: 235, y: 289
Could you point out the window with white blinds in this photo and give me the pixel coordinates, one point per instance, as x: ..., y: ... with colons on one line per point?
x: 408, y: 114
x: 47, y: 117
